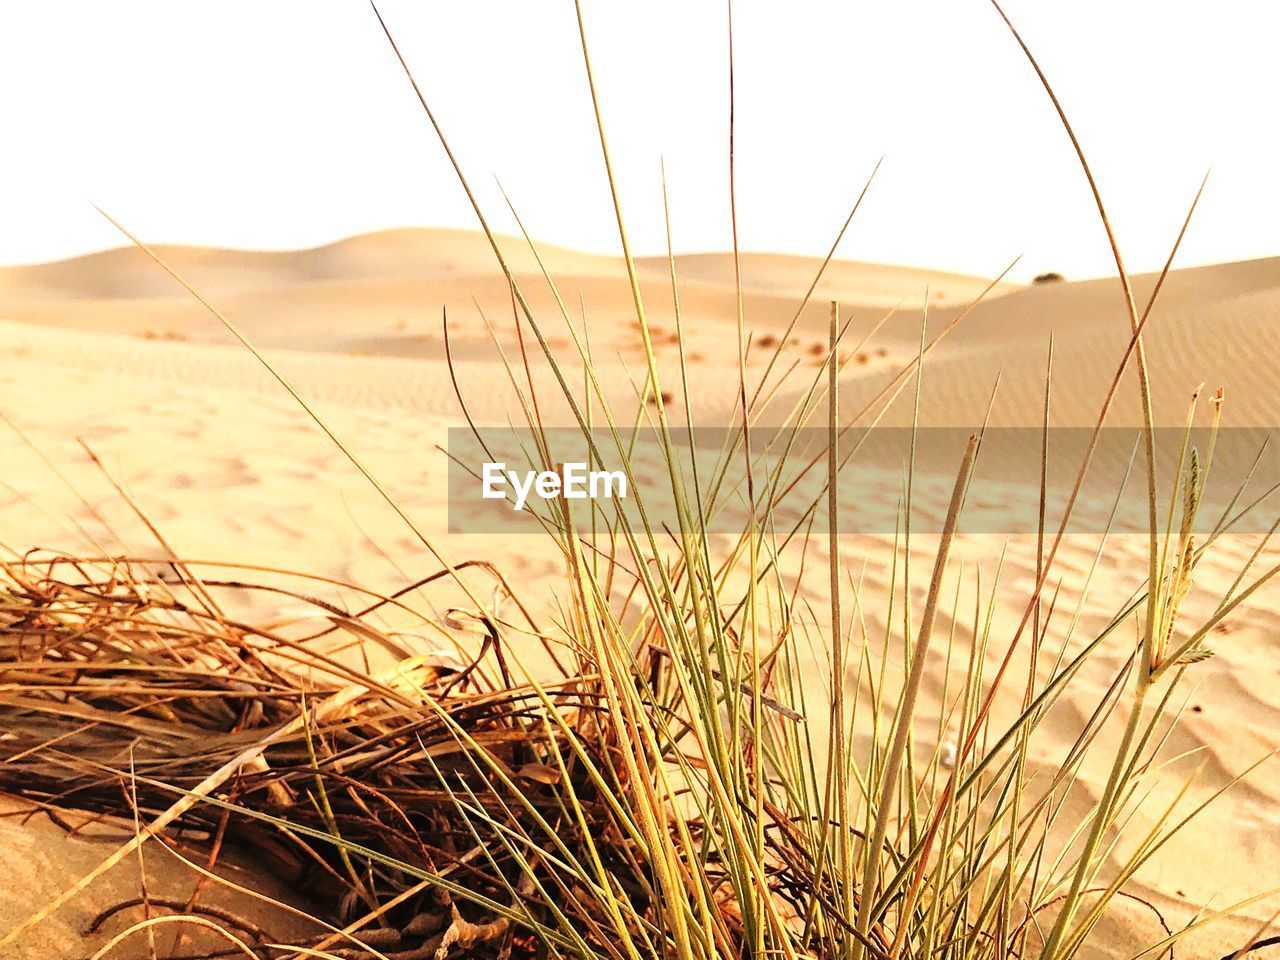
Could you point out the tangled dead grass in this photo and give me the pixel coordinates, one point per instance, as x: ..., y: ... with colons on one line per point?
x: 125, y: 694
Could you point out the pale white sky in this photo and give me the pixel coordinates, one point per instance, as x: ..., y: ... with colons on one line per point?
x: 284, y: 123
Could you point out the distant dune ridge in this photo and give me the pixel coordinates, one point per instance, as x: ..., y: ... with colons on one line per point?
x: 108, y: 349
x: 382, y: 294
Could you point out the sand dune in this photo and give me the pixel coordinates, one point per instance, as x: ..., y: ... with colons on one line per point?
x: 108, y: 350
x: 385, y: 294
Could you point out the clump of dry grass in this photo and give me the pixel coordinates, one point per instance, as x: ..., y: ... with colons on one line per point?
x: 125, y: 694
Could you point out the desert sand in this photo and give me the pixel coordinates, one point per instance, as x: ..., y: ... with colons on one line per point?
x: 106, y: 351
